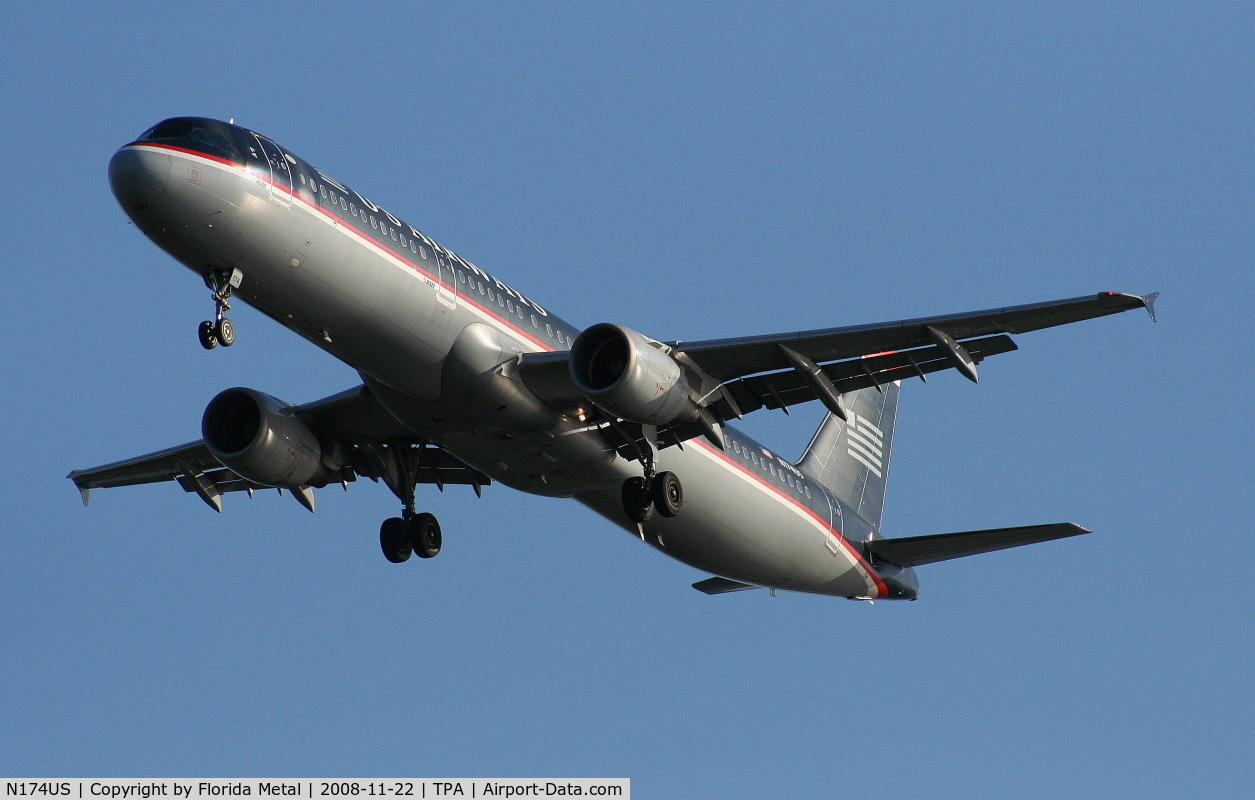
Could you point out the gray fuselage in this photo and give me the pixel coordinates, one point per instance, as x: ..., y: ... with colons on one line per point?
x: 436, y: 338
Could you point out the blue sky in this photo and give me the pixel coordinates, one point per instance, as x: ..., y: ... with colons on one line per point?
x: 692, y: 171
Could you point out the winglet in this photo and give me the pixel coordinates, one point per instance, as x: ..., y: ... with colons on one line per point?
x: 1148, y: 300
x: 86, y: 492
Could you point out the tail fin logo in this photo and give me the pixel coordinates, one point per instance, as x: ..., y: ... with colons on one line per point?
x: 865, y: 444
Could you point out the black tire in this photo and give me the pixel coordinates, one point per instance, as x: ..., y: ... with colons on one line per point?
x: 668, y: 494
x: 394, y: 540
x: 225, y: 332
x: 208, y: 336
x: 424, y: 533
x: 637, y: 503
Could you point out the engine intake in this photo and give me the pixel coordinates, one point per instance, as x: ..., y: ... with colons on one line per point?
x: 623, y: 374
x: 256, y: 436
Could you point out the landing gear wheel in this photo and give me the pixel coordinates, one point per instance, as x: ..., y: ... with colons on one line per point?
x: 667, y: 493
x: 424, y: 534
x: 637, y: 503
x: 208, y: 336
x: 394, y: 540
x: 225, y: 332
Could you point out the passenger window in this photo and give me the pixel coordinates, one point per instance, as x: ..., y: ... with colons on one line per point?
x: 549, y: 329
x: 808, y: 490
x: 535, y: 324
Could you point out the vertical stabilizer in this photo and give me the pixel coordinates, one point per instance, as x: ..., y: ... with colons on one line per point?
x: 851, y: 459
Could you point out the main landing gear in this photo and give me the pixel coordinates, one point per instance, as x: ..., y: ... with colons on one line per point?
x: 412, y: 533
x: 219, y: 330
x: 659, y: 492
x: 415, y: 533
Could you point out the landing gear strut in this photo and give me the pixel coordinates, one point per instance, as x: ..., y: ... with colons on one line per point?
x: 416, y: 533
x: 219, y: 330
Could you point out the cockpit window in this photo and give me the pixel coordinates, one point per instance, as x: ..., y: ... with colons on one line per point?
x: 188, y: 129
x: 210, y: 138
x: 172, y: 129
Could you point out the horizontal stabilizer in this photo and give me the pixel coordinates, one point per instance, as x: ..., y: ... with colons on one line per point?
x: 721, y: 585
x: 912, y: 551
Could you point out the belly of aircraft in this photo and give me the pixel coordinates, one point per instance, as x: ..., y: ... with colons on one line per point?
x: 739, y: 531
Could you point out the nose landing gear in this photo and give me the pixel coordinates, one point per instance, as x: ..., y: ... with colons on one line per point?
x: 219, y: 330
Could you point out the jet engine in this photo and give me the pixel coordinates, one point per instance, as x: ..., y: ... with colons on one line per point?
x: 624, y: 374
x: 257, y: 437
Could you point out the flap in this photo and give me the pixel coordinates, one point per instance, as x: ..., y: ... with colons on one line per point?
x: 788, y: 387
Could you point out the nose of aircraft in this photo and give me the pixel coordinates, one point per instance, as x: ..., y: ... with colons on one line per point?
x: 137, y: 175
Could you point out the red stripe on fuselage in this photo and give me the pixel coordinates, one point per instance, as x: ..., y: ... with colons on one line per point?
x: 881, y: 589
x: 348, y: 227
x: 189, y: 151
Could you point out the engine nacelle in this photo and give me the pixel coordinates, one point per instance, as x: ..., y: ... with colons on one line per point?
x: 624, y: 375
x: 251, y: 434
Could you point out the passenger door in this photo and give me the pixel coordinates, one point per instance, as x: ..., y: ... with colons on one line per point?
x: 280, y: 172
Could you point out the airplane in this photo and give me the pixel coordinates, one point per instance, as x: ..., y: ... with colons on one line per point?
x: 466, y: 381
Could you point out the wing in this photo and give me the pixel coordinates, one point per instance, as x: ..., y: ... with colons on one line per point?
x: 737, y: 376
x: 369, y: 442
x: 733, y: 358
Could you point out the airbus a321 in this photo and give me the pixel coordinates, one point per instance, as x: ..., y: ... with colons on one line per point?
x: 467, y: 381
